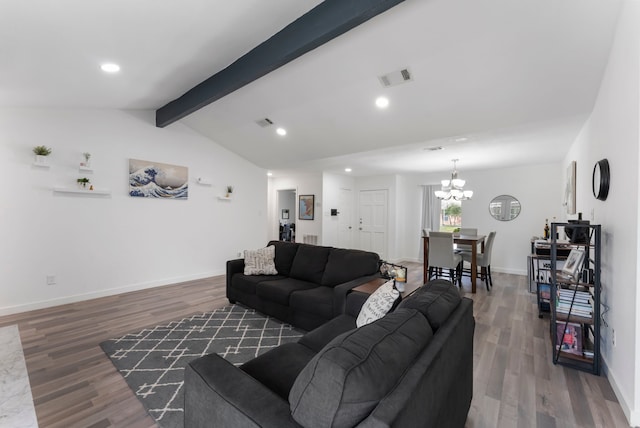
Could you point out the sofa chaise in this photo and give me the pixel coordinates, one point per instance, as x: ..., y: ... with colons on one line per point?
x: 411, y: 368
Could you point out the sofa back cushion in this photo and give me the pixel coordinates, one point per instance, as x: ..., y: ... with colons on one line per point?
x: 345, y: 381
x: 436, y: 299
x: 309, y: 263
x: 344, y: 265
x: 285, y: 253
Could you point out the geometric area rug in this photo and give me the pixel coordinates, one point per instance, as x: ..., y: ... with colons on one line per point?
x: 152, y: 361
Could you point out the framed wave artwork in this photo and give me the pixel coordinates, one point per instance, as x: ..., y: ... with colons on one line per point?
x: 158, y: 180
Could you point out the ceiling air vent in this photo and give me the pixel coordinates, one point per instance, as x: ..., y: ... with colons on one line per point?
x: 396, y: 78
x: 264, y: 122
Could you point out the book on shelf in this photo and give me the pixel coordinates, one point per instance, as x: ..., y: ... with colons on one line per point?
x: 545, y: 291
x: 569, y: 337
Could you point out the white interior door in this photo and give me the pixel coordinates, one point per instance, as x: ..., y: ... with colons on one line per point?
x: 345, y: 219
x: 372, y: 221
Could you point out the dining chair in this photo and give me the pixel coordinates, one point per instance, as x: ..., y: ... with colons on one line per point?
x: 483, y: 260
x: 465, y: 248
x: 442, y: 256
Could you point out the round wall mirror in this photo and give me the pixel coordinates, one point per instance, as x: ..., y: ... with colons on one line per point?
x: 504, y: 207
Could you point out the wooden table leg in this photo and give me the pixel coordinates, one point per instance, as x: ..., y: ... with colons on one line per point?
x: 425, y: 256
x: 474, y: 271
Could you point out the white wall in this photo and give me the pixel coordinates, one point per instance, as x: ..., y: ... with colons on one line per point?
x: 305, y: 184
x: 612, y: 132
x: 97, y: 246
x: 537, y: 187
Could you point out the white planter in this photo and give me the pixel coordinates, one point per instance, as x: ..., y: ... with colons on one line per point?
x: 41, y: 160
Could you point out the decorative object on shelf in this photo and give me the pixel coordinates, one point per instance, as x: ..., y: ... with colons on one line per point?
x: 41, y: 153
x: 87, y: 157
x: 570, y: 189
x: 504, y: 208
x: 600, y: 180
x: 82, y: 182
x: 229, y: 191
x: 158, y: 180
x: 396, y: 272
x: 306, y: 204
x: 454, y: 188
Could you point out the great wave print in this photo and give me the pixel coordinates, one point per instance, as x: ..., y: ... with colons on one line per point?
x: 158, y: 180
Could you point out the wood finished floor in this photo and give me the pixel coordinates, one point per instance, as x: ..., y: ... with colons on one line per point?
x: 515, y: 383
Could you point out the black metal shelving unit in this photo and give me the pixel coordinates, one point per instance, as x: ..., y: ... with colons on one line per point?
x: 575, y: 333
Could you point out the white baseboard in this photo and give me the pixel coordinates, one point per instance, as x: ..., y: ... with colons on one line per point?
x: 633, y: 416
x: 10, y: 310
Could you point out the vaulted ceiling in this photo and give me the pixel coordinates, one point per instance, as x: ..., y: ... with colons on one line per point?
x: 494, y: 82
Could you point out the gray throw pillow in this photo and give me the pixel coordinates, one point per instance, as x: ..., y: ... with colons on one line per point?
x: 346, y: 380
x: 260, y: 261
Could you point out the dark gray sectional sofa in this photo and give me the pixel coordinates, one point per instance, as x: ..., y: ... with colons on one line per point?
x: 311, y: 285
x: 412, y: 368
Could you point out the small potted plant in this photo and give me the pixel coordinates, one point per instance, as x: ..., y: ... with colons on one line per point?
x: 86, y: 162
x: 82, y: 182
x: 41, y: 153
x: 229, y: 191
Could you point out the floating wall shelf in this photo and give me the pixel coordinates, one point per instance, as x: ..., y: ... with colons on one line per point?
x: 97, y: 192
x: 225, y: 198
x: 86, y: 169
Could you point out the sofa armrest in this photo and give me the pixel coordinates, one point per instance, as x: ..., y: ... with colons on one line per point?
x: 233, y: 267
x: 340, y: 292
x: 218, y: 394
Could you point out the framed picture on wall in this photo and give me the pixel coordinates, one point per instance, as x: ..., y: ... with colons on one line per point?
x: 305, y: 207
x: 285, y: 214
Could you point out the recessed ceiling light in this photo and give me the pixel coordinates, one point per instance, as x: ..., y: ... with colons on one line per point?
x: 382, y: 102
x: 269, y: 174
x: 110, y: 68
x: 461, y: 139
x: 281, y: 131
x: 347, y: 170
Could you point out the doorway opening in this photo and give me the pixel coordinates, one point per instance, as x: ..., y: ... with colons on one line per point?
x: 286, y: 214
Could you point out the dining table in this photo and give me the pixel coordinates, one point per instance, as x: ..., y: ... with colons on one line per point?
x: 472, y: 240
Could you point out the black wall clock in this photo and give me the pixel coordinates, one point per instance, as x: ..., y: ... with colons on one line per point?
x: 600, y: 179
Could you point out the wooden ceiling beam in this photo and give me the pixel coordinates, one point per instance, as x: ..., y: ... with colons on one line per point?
x: 321, y: 24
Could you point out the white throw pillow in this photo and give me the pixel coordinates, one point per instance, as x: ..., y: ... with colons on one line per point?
x: 260, y: 261
x: 378, y: 304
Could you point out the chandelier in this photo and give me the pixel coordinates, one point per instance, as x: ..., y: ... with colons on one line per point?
x: 453, y: 188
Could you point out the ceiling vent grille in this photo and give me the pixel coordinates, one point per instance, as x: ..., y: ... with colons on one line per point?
x: 264, y: 122
x: 396, y: 78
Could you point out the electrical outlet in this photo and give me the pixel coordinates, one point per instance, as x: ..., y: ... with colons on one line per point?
x: 51, y: 279
x: 613, y: 337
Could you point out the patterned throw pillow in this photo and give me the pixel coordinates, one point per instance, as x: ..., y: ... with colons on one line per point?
x: 378, y: 304
x: 260, y: 261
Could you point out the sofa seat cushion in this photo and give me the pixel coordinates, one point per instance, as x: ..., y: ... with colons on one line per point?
x: 436, y: 299
x: 344, y: 265
x: 345, y: 381
x: 318, y: 301
x: 319, y: 337
x: 247, y: 283
x: 280, y: 290
x: 278, y: 368
x: 309, y: 263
